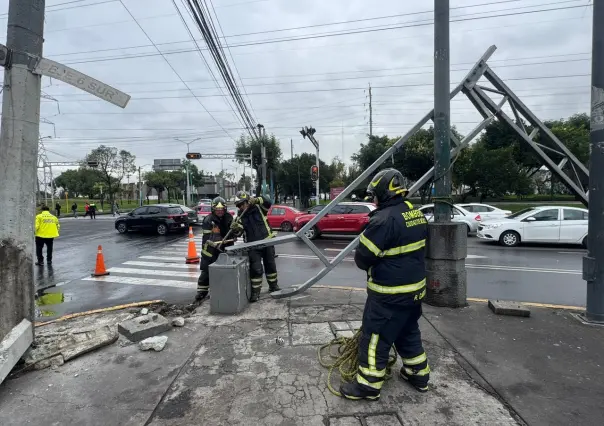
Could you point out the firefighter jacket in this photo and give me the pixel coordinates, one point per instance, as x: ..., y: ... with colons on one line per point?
x: 214, y: 229
x: 255, y: 225
x: 47, y: 225
x: 391, y: 250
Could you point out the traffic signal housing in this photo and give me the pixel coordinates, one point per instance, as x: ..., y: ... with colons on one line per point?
x: 314, y: 173
x: 193, y: 156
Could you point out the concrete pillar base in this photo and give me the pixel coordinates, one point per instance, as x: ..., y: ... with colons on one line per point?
x: 447, y: 249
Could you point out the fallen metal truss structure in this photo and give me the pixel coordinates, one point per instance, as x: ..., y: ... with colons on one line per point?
x: 554, y: 154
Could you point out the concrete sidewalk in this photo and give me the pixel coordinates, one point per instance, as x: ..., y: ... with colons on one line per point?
x: 261, y: 368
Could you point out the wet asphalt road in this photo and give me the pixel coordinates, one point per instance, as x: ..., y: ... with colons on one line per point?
x: 148, y: 267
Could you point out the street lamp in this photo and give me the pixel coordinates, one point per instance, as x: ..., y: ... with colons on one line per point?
x: 310, y: 133
x: 187, y: 167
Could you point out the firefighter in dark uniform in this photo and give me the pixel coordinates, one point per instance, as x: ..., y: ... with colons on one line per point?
x: 215, y: 227
x: 391, y: 250
x: 255, y: 227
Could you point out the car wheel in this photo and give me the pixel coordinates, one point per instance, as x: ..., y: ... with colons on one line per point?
x: 584, y: 242
x: 286, y: 227
x: 509, y: 239
x: 122, y: 228
x: 162, y: 229
x: 312, y: 233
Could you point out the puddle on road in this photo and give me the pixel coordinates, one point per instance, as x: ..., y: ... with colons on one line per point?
x: 49, y: 299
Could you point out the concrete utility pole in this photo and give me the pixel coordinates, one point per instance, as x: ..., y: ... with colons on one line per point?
x: 447, y: 241
x: 291, y: 141
x: 371, y: 112
x: 18, y: 170
x: 442, y: 111
x: 593, y: 263
x: 262, y: 136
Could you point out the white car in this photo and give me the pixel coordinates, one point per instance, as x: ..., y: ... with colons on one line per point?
x: 543, y: 224
x: 459, y: 215
x: 485, y: 211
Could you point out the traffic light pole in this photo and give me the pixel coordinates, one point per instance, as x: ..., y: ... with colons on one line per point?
x: 318, y: 171
x: 593, y: 263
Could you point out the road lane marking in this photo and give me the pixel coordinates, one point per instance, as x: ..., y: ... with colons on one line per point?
x: 164, y: 258
x: 468, y: 265
x: 144, y: 281
x: 156, y: 272
x: 162, y: 265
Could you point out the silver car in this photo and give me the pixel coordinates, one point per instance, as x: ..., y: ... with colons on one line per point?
x: 459, y: 215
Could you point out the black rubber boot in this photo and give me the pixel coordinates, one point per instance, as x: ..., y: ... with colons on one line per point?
x: 255, y: 295
x: 355, y: 392
x: 419, y: 384
x: 201, y: 295
x: 273, y: 287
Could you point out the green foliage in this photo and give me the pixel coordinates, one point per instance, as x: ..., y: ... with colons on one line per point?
x: 288, y: 176
x: 113, y: 165
x: 78, y: 182
x: 245, y: 144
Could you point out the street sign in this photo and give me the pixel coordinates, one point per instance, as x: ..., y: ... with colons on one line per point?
x: 81, y: 81
x: 167, y: 164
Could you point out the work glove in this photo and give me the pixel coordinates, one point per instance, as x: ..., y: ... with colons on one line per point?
x: 236, y: 226
x: 255, y: 200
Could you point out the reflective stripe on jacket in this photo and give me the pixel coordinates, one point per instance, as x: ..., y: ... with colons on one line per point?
x: 391, y: 250
x: 255, y: 224
x: 47, y: 225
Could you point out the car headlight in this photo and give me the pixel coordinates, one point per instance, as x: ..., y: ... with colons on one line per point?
x: 491, y: 225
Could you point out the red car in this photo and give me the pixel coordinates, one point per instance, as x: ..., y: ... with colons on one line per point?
x: 282, y: 217
x: 345, y: 218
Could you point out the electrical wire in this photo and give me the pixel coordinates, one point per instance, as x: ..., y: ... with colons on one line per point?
x: 172, y: 67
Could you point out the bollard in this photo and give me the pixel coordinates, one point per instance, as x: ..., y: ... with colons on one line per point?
x: 446, y: 252
x: 230, y: 285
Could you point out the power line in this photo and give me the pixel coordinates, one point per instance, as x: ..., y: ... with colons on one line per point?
x: 170, y: 65
x: 305, y: 37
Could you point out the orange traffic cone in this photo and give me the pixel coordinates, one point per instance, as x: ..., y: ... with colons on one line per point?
x: 192, y: 256
x: 99, y: 270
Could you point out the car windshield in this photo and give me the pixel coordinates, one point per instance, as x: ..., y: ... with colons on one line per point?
x: 521, y: 212
x: 174, y: 210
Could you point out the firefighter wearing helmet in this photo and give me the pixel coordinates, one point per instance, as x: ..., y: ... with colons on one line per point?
x: 391, y: 250
x: 255, y: 227
x: 215, y: 227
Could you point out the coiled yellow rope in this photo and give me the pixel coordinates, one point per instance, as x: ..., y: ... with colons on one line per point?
x: 342, y: 354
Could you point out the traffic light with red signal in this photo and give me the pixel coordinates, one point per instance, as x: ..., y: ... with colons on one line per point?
x: 314, y: 173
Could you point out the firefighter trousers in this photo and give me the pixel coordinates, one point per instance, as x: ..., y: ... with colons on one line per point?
x: 203, y: 282
x: 383, y: 326
x: 257, y: 258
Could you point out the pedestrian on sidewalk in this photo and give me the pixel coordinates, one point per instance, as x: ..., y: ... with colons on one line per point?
x: 74, y: 209
x: 46, y: 230
x: 58, y: 209
x: 391, y: 250
x: 116, y: 208
x: 92, y: 210
x: 87, y: 209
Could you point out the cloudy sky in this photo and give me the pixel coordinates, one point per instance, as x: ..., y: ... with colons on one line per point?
x: 306, y: 62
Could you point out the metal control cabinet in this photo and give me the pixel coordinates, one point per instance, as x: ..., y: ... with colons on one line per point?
x: 230, y: 285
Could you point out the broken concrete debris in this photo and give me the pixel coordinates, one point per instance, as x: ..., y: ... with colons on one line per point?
x: 178, y: 322
x: 55, y: 350
x: 504, y: 307
x: 144, y: 311
x: 140, y: 328
x: 157, y: 343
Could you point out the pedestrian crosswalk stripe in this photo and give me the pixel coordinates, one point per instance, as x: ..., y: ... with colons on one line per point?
x: 166, y: 258
x: 162, y: 265
x: 155, y: 272
x: 116, y: 279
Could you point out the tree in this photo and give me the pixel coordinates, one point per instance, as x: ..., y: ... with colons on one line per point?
x: 195, y: 175
x: 247, y: 144
x: 158, y: 180
x: 245, y: 182
x: 338, y: 170
x: 289, y: 181
x: 113, y: 165
x: 371, y: 151
x: 78, y: 182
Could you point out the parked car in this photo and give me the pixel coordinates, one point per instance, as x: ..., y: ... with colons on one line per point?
x: 485, y: 211
x: 161, y: 218
x: 345, y: 218
x: 316, y: 209
x: 543, y: 224
x: 204, y: 201
x: 205, y: 209
x: 459, y: 214
x: 191, y: 214
x: 282, y: 217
